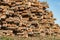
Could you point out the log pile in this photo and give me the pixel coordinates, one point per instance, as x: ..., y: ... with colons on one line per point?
x: 26, y: 18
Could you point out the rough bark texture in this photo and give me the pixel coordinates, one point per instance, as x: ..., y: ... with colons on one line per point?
x: 26, y: 18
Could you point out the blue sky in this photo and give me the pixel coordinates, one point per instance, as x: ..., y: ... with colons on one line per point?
x: 54, y: 6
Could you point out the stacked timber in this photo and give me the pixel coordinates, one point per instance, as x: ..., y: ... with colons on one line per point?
x: 26, y: 18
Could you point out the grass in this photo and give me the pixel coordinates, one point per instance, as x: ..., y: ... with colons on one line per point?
x: 30, y: 38
x: 6, y: 38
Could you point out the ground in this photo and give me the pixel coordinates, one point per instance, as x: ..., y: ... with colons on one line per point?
x: 30, y: 38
